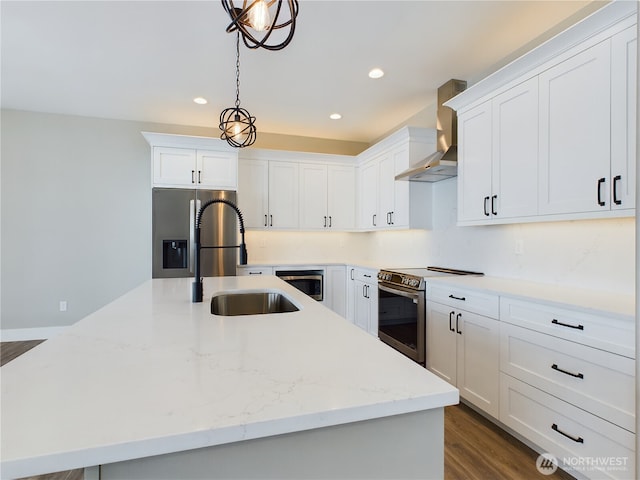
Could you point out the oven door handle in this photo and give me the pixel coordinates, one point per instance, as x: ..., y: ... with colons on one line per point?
x: 414, y: 295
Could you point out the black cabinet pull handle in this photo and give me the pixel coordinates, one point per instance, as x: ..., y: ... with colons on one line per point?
x: 366, y: 275
x: 193, y: 178
x: 451, y: 321
x: 493, y: 204
x: 577, y: 375
x: 374, y: 220
x: 571, y: 437
x: 616, y: 200
x: 329, y: 221
x: 255, y: 273
x: 271, y: 220
x: 457, y: 321
x: 199, y: 176
x: 391, y: 218
x: 325, y: 221
x: 486, y: 200
x: 600, y: 183
x: 265, y: 220
x: 352, y: 272
x: 577, y: 327
x: 458, y: 298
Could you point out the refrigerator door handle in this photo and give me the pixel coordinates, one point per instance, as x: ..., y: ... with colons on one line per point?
x: 194, y: 208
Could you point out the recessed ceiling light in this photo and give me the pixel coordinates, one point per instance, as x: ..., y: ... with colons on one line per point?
x: 200, y: 100
x: 335, y: 116
x: 376, y: 73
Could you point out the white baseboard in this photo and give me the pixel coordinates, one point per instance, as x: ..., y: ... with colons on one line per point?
x: 23, y: 334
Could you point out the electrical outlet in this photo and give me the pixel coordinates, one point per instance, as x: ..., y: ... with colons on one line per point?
x: 63, y: 305
x: 519, y: 250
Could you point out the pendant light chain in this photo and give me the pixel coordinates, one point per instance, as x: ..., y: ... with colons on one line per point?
x: 238, y: 69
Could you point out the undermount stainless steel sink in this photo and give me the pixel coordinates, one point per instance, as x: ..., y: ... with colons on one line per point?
x: 251, y: 303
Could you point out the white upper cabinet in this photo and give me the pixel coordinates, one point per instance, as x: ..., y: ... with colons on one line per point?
x: 180, y: 161
x: 268, y: 194
x: 624, y: 60
x: 283, y: 195
x: 498, y: 141
x: 253, y: 192
x: 387, y: 203
x: 515, y: 152
x: 575, y: 133
x: 216, y: 170
x: 327, y: 197
x: 552, y: 135
x: 474, y: 173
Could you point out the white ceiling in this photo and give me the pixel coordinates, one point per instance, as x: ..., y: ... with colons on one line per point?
x: 147, y: 60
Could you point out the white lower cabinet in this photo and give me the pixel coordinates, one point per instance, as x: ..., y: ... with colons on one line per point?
x: 335, y: 289
x: 579, y: 440
x: 568, y: 385
x: 592, y: 379
x: 362, y: 309
x: 463, y: 349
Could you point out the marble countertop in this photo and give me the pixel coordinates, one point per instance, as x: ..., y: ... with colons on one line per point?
x: 152, y: 373
x: 589, y: 301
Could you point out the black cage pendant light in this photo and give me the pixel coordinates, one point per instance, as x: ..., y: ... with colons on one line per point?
x: 257, y: 20
x: 237, y: 125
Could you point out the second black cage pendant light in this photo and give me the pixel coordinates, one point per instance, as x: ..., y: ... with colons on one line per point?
x: 237, y: 125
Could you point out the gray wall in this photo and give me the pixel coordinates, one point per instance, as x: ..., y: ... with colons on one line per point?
x: 75, y: 215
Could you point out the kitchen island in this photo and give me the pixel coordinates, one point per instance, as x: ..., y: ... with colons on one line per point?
x: 154, y: 386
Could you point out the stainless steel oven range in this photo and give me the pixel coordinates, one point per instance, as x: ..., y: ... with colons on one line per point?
x: 401, y: 308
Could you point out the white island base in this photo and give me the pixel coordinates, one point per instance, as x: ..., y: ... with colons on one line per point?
x: 402, y: 446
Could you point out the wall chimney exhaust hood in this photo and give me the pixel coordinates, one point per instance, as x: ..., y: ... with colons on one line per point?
x: 443, y: 163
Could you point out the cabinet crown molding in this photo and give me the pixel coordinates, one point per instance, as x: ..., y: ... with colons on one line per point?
x: 155, y: 139
x: 619, y: 14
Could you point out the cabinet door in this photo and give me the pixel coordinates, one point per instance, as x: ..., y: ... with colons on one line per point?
x: 441, y: 341
x: 624, y: 60
x: 313, y: 197
x: 386, y: 189
x: 253, y: 192
x: 474, y: 166
x: 283, y: 195
x: 341, y: 197
x: 217, y: 170
x: 515, y: 152
x: 369, y: 195
x: 362, y: 308
x: 336, y: 289
x: 372, y: 293
x: 174, y: 166
x: 575, y: 138
x: 399, y: 217
x: 352, y: 293
x: 478, y: 361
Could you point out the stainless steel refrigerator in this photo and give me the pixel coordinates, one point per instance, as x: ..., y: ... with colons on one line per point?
x: 174, y: 216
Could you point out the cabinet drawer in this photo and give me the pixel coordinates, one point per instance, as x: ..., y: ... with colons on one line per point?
x: 469, y: 300
x: 245, y: 271
x: 610, y: 334
x: 600, y: 382
x: 366, y: 276
x: 578, y: 439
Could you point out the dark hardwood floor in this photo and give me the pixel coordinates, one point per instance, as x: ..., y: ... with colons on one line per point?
x: 475, y: 449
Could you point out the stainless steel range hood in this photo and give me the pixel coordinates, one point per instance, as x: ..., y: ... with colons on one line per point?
x: 443, y: 163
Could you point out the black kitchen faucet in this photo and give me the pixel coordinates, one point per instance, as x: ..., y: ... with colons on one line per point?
x: 196, y: 291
